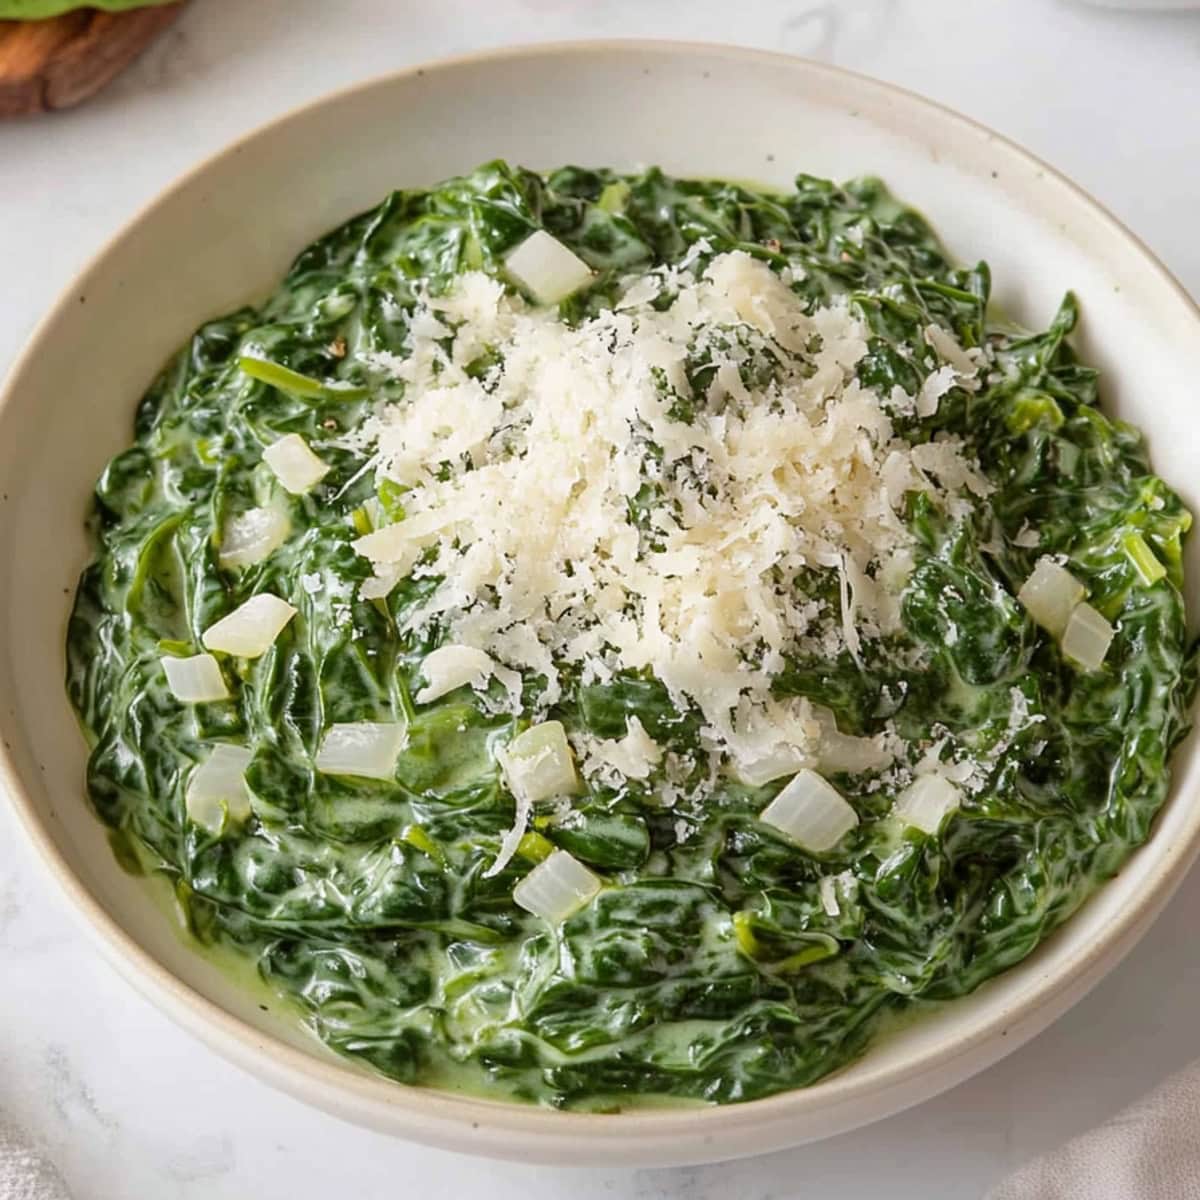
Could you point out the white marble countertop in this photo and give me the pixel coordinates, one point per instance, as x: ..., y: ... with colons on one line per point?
x: 131, y: 1107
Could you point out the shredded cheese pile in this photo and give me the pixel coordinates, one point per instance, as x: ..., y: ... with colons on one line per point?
x: 642, y: 491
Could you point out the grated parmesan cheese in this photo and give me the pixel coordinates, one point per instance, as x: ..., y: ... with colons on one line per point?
x: 965, y: 363
x: 580, y: 504
x: 632, y: 757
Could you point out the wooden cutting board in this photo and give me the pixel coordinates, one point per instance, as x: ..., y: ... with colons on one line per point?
x: 63, y: 60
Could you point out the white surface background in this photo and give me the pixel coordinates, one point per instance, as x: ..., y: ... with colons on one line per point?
x: 128, y: 1105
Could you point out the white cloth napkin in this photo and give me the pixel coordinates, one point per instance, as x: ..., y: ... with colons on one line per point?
x: 25, y: 1174
x: 1150, y: 1151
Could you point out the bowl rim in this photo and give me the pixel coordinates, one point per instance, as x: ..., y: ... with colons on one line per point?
x: 510, y: 1129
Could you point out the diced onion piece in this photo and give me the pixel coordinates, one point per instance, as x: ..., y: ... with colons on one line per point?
x: 1049, y: 595
x: 294, y: 464
x: 365, y: 748
x: 557, y: 887
x: 253, y: 536
x: 251, y: 629
x: 785, y: 760
x: 926, y: 802
x: 843, y: 751
x: 451, y: 667
x: 216, y: 791
x: 546, y: 268
x: 811, y: 812
x: 538, y: 763
x: 1087, y: 637
x: 195, y: 680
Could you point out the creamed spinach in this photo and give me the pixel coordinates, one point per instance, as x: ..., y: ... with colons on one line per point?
x: 711, y: 965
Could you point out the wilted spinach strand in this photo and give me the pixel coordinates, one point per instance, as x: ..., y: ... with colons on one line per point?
x: 710, y: 969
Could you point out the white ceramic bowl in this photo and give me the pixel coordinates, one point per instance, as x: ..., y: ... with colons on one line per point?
x: 225, y: 234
